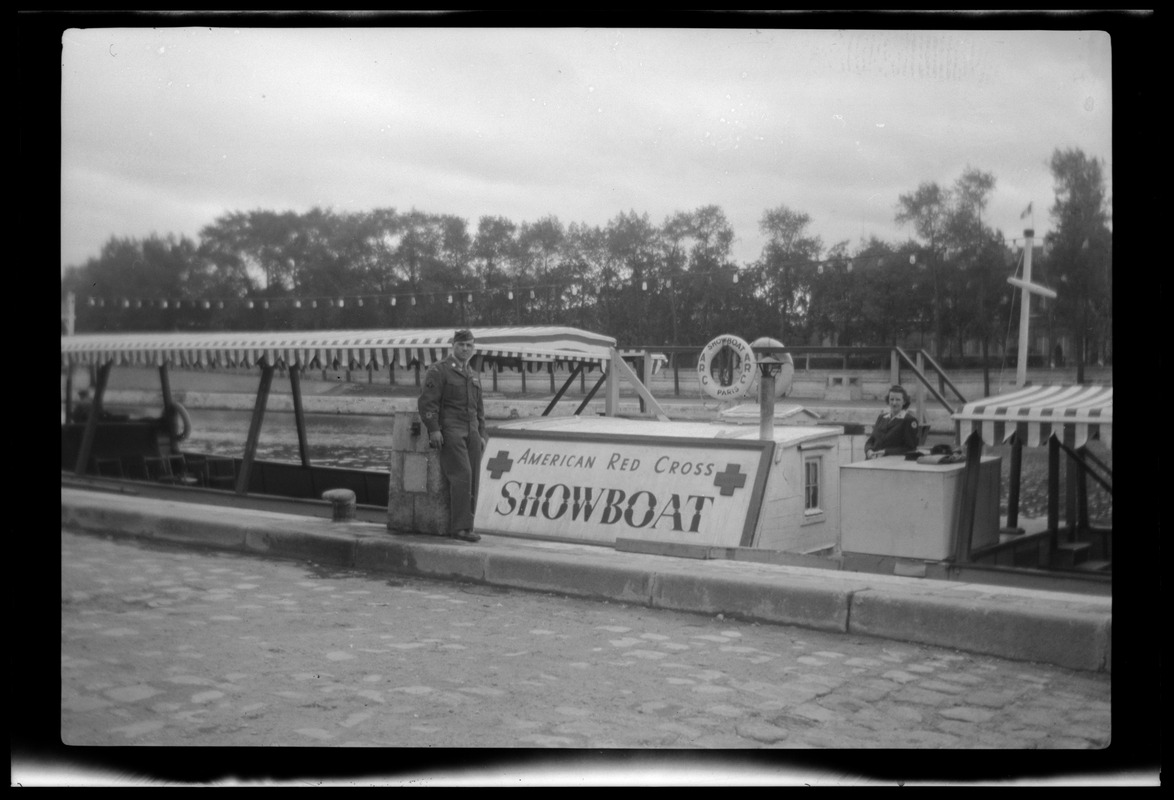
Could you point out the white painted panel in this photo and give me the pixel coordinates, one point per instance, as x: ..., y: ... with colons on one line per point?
x: 895, y: 507
x: 553, y: 479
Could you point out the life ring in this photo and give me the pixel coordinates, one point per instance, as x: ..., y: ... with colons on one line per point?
x: 175, y: 419
x: 785, y: 378
x: 745, y: 368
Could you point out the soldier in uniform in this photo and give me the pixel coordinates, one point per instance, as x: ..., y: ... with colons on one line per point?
x: 453, y: 412
x: 895, y: 432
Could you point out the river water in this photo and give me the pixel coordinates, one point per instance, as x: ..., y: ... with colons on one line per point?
x: 335, y: 440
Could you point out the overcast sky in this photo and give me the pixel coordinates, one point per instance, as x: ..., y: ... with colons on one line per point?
x: 166, y: 129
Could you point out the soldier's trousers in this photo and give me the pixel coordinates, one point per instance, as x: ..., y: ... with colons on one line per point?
x: 460, y: 459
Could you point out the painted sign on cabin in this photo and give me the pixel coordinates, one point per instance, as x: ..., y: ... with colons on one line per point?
x: 597, y: 480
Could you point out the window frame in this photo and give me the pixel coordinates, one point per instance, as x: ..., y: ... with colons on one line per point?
x: 813, y: 462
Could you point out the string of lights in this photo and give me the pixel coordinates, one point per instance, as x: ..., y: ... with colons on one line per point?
x: 455, y: 296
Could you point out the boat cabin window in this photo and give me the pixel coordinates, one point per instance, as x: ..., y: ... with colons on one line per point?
x: 812, y: 485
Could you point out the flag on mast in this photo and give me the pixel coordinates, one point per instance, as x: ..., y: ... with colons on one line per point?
x: 1026, y: 211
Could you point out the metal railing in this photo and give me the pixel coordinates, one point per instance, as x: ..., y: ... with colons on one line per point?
x: 919, y: 362
x: 918, y: 367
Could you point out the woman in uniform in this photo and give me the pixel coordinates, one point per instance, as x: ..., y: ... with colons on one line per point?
x: 895, y: 432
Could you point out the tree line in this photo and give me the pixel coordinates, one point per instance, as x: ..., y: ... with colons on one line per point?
x: 673, y: 283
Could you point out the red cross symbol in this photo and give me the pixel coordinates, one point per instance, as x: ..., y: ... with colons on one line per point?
x: 499, y: 463
x: 729, y: 480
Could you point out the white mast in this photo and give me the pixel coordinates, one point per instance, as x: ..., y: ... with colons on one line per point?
x: 1027, y: 289
x: 1024, y: 310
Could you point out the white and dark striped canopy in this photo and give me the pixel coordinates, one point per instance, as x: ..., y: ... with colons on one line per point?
x: 1036, y: 413
x: 333, y: 349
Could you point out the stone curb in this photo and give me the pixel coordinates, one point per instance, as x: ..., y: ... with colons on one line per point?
x: 1069, y: 631
x: 1069, y: 638
x: 763, y: 598
x: 591, y: 578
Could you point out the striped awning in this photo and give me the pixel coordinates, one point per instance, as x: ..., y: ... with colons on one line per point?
x: 1037, y: 413
x: 333, y: 349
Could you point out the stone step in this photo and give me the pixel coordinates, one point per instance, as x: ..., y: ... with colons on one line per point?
x: 1095, y: 566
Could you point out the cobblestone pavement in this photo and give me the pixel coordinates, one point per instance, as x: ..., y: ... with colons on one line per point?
x: 165, y: 646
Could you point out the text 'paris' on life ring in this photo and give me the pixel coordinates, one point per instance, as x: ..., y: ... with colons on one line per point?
x: 741, y: 368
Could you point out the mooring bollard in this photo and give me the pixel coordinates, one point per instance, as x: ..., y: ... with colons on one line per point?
x: 342, y: 502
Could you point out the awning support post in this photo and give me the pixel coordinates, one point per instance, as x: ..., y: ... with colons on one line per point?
x: 168, y: 404
x: 1013, y: 478
x: 1054, y: 491
x: 69, y: 393
x: 619, y: 369
x: 591, y: 394
x: 87, y: 445
x: 566, y: 385
x: 242, y: 480
x: 612, y: 404
x: 295, y: 387
x: 1071, y: 482
x: 1081, y: 491
x: 969, y: 504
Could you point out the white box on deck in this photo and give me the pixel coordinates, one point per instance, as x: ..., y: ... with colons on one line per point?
x: 893, y: 507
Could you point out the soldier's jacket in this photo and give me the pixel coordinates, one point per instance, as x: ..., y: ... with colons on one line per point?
x: 451, y: 398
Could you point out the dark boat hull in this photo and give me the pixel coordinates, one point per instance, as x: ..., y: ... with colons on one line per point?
x: 300, y: 506
x: 138, y: 453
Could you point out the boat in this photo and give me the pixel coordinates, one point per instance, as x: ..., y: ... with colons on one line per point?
x: 791, y: 512
x: 146, y: 455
